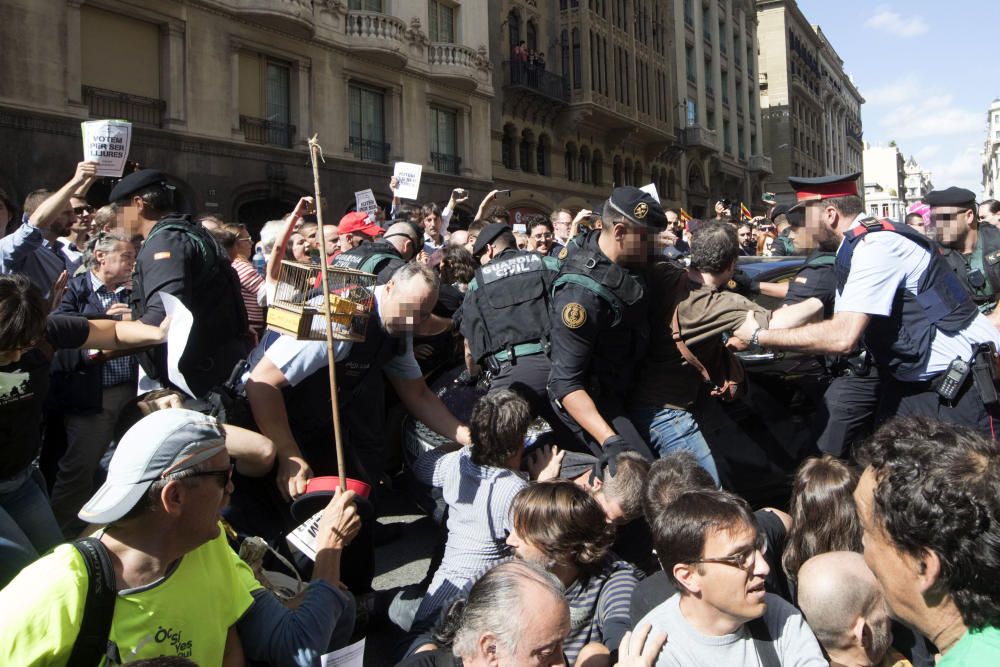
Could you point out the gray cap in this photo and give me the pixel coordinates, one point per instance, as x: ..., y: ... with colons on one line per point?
x: 160, y: 444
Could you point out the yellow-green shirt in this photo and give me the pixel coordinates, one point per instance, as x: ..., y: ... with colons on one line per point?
x: 188, y: 613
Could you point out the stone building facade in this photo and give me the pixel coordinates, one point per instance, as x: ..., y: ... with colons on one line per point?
x: 811, y: 108
x: 224, y: 95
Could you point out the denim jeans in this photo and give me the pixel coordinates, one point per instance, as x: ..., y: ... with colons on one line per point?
x: 27, y: 526
x: 671, y: 430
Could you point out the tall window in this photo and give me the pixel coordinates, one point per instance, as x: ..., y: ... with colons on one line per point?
x: 513, y: 30
x: 531, y: 36
x: 366, y: 5
x: 542, y: 156
x: 692, y: 72
x: 444, y: 142
x: 564, y: 52
x: 527, y: 150
x: 367, y: 123
x: 692, y: 112
x: 570, y: 162
x: 577, y: 71
x: 597, y: 168
x: 441, y: 22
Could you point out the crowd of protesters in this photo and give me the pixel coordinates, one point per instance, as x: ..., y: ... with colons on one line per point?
x: 579, y: 524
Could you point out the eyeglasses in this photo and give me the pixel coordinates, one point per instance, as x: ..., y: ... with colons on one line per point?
x: 224, y: 476
x: 744, y: 560
x: 81, y: 209
x: 246, y: 239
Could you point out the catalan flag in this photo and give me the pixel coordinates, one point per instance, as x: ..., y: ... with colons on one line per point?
x: 685, y: 216
x: 745, y: 213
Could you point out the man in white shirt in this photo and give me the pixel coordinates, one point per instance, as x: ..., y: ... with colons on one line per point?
x: 918, y: 323
x: 708, y: 545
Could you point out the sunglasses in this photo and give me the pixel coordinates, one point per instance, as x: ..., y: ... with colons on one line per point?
x: 224, y: 476
x: 83, y: 209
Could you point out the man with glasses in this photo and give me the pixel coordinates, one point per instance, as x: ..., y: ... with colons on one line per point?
x: 541, y: 238
x: 709, y: 547
x: 178, y: 588
x: 896, y: 293
x: 971, y: 248
x: 382, y: 257
x: 75, y: 239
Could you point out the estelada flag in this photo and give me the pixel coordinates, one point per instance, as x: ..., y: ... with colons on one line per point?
x: 685, y: 216
x: 745, y: 212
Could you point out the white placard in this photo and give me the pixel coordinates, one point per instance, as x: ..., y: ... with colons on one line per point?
x: 107, y: 142
x: 651, y: 189
x: 365, y: 202
x: 349, y: 656
x: 181, y: 321
x: 407, y: 179
x: 303, y: 538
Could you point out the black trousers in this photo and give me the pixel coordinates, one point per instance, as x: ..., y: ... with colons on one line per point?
x: 614, y: 412
x: 529, y: 378
x: 851, y: 403
x: 918, y: 399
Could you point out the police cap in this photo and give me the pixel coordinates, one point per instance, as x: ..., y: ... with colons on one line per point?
x: 825, y: 187
x: 488, y: 234
x: 638, y: 207
x: 957, y: 197
x: 136, y: 181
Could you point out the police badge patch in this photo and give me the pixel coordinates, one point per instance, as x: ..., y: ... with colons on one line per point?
x: 574, y: 315
x: 641, y: 209
x: 563, y: 253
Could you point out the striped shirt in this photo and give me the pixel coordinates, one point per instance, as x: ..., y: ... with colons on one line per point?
x: 479, y: 499
x: 599, y: 607
x: 250, y: 282
x: 120, y: 369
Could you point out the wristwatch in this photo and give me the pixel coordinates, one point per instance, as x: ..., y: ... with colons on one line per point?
x: 753, y: 339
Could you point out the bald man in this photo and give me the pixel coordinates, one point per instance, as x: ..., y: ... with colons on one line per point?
x: 843, y: 604
x: 459, y: 237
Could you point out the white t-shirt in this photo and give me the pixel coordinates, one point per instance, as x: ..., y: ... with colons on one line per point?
x: 883, y: 262
x: 298, y: 359
x: 792, y: 639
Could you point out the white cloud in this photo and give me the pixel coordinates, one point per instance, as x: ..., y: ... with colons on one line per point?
x: 893, y: 23
x: 934, y: 115
x: 898, y: 92
x: 964, y: 169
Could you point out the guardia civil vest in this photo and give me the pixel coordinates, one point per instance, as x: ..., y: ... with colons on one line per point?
x: 368, y: 257
x: 901, y: 341
x: 506, y: 310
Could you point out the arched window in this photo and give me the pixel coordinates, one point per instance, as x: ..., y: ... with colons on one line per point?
x: 584, y: 161
x: 627, y: 173
x: 616, y: 172
x: 577, y: 70
x: 570, y: 162
x: 508, y: 147
x: 695, y: 181
x: 564, y: 52
x: 542, y: 156
x: 513, y: 30
x: 597, y: 169
x: 637, y: 175
x: 527, y: 151
x: 531, y: 35
x: 661, y: 183
x: 654, y: 175
x: 672, y: 186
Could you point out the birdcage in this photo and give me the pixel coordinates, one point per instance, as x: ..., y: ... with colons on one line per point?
x: 298, y: 309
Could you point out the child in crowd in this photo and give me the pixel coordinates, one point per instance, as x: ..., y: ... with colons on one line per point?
x: 479, y: 485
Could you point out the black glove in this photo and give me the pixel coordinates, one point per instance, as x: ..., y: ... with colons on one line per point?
x: 466, y: 379
x: 610, y: 449
x: 743, y: 284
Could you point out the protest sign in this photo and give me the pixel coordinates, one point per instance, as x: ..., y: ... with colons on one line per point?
x: 107, y: 143
x: 407, y: 179
x: 651, y: 189
x: 365, y: 202
x: 181, y: 322
x: 303, y: 538
x: 349, y: 656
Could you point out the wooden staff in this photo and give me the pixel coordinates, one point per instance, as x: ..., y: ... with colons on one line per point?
x: 316, y: 151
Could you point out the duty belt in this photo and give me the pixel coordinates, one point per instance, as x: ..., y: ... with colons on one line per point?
x: 522, y: 350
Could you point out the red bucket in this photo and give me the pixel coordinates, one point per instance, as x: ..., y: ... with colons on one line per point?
x: 332, y: 483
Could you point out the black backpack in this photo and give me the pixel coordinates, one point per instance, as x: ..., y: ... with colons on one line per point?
x: 92, y: 647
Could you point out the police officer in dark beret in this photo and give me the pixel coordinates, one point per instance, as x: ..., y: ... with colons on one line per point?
x: 895, y: 292
x: 505, y: 316
x: 600, y: 324
x: 971, y: 249
x: 181, y: 258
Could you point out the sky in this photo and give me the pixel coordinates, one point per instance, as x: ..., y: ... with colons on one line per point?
x: 928, y: 71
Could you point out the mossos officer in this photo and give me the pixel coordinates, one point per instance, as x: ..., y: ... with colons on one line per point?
x: 896, y: 292
x: 399, y: 245
x: 970, y: 248
x: 181, y: 258
x: 600, y: 326
x: 505, y: 315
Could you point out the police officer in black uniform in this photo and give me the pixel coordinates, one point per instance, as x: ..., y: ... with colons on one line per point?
x: 600, y: 324
x: 181, y: 258
x: 895, y: 291
x: 400, y: 243
x: 505, y: 316
x: 972, y: 249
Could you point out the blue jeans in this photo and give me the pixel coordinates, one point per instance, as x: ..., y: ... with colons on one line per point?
x: 28, y: 527
x: 671, y: 430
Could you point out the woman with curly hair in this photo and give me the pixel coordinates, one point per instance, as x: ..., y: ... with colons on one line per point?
x: 823, y: 514
x: 560, y: 527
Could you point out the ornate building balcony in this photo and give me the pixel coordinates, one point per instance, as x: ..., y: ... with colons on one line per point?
x: 700, y: 138
x: 294, y: 16
x: 261, y: 131
x: 761, y: 163
x: 517, y: 75
x: 134, y: 108
x: 379, y: 36
x: 460, y: 65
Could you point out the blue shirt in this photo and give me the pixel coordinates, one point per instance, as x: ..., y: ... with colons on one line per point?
x: 26, y: 251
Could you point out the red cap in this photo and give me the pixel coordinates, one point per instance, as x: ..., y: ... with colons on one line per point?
x: 356, y: 221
